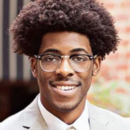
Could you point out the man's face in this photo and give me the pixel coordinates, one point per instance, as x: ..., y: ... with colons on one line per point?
x: 64, y: 89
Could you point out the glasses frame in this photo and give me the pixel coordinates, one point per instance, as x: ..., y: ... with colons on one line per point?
x: 39, y: 57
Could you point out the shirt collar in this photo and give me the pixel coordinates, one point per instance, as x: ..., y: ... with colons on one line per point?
x: 55, y: 123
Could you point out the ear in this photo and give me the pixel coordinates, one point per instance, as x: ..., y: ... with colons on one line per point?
x: 33, y: 63
x: 97, y: 65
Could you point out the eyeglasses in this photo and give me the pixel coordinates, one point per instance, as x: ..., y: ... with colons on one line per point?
x: 78, y: 62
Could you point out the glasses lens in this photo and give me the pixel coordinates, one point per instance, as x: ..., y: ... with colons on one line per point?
x: 50, y: 62
x: 80, y: 63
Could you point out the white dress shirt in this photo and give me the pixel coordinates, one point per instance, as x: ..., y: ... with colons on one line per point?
x: 55, y: 123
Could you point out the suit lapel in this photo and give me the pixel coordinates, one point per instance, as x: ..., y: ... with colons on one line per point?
x: 39, y: 125
x: 32, y: 119
x: 96, y: 121
x: 94, y: 125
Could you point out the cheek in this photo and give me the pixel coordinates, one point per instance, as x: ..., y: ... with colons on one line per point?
x: 41, y: 76
x: 86, y: 75
x: 44, y: 77
x: 86, y: 78
x: 42, y: 80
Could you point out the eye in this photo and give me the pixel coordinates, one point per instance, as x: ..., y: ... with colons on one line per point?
x: 49, y: 59
x: 79, y: 58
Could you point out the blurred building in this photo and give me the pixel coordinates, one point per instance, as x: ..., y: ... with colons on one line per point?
x: 117, y: 66
x: 111, y: 88
x: 17, y: 87
x: 12, y: 67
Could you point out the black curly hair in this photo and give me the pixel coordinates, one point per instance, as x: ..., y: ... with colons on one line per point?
x: 83, y: 16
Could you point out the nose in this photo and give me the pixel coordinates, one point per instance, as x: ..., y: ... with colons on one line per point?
x: 65, y: 69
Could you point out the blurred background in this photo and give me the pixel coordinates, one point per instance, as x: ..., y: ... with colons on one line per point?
x: 110, y: 89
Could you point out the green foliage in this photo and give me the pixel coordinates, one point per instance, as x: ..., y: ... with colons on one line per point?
x: 111, y: 95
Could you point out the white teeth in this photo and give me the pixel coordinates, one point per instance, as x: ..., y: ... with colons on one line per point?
x: 66, y: 88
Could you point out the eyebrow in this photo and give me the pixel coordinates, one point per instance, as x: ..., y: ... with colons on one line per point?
x: 79, y: 49
x: 72, y: 51
x: 51, y: 50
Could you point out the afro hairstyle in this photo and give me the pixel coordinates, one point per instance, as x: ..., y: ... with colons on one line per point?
x: 87, y: 17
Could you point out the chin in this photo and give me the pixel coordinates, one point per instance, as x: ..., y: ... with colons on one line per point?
x: 65, y: 109
x: 65, y: 106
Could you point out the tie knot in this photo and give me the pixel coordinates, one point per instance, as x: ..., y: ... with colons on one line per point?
x: 71, y: 128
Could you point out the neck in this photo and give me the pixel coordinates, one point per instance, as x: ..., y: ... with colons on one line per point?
x: 69, y: 116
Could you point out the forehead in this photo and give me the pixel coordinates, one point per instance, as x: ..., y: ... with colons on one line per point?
x: 65, y: 42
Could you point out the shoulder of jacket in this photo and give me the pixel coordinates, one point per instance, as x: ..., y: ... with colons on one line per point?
x: 103, y: 116
x: 26, y: 116
x: 10, y: 121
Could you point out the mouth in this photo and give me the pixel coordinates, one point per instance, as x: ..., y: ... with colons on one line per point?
x: 65, y: 86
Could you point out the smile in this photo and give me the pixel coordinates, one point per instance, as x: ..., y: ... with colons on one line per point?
x: 65, y: 88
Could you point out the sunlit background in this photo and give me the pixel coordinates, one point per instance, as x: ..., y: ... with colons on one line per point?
x: 110, y: 89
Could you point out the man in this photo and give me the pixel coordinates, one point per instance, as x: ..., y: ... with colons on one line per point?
x: 66, y: 41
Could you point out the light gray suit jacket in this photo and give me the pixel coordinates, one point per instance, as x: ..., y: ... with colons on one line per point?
x: 31, y: 118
